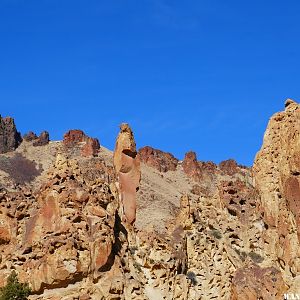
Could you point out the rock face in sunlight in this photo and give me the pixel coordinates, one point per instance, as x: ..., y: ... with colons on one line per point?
x: 86, y: 223
x: 10, y: 138
x: 127, y: 167
x: 77, y: 140
x: 162, y: 161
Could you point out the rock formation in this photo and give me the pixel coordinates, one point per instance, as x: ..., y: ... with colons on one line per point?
x: 162, y: 161
x: 10, y: 138
x: 42, y: 140
x: 276, y: 173
x: 77, y: 140
x: 201, y: 230
x: 127, y: 167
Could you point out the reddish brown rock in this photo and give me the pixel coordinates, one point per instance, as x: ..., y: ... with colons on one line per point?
x: 162, y: 161
x: 229, y: 167
x: 30, y: 136
x: 253, y: 282
x: 127, y: 167
x: 73, y: 137
x: 191, y: 167
x: 78, y: 139
x: 10, y: 138
x: 292, y: 195
x: 42, y: 140
x: 91, y: 147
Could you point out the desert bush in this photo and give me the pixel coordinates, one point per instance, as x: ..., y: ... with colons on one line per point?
x: 19, y: 168
x: 14, y: 290
x: 256, y: 257
x: 192, y: 277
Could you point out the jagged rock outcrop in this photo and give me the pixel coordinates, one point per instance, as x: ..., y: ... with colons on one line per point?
x: 191, y: 167
x: 10, y: 138
x: 30, y: 136
x: 79, y: 143
x: 277, y: 178
x: 161, y: 161
x: 42, y: 140
x: 127, y: 167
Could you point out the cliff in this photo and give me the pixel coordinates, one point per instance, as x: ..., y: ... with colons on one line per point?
x: 80, y: 222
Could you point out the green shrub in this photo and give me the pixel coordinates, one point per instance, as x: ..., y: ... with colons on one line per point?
x: 14, y: 290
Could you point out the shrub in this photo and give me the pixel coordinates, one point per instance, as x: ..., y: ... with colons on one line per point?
x: 192, y: 277
x: 14, y: 290
x: 256, y: 257
x: 216, y: 233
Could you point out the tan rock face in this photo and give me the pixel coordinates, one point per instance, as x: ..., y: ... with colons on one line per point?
x: 161, y: 161
x: 276, y: 173
x: 127, y: 167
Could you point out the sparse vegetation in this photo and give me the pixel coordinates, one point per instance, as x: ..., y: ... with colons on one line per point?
x: 242, y: 254
x: 132, y: 250
x: 192, y: 277
x: 136, y: 265
x: 216, y: 233
x: 256, y: 257
x: 14, y: 290
x: 19, y: 168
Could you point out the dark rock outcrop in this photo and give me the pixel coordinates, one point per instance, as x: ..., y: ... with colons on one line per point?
x: 30, y: 136
x: 42, y: 140
x: 10, y: 138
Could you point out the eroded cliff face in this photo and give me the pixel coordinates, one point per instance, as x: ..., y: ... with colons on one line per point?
x: 277, y: 178
x: 92, y: 224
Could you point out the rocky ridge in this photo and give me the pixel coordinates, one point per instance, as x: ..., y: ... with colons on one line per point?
x: 144, y: 225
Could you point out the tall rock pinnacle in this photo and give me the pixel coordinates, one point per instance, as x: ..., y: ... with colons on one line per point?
x: 10, y: 138
x: 127, y: 167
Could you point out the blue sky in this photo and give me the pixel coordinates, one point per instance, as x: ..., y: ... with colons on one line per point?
x: 204, y: 75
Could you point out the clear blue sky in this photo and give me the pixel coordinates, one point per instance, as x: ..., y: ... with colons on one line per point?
x: 204, y: 75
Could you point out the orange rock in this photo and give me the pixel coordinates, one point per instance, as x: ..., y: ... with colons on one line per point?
x: 127, y: 167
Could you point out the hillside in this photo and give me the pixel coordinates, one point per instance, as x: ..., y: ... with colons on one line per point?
x: 78, y: 221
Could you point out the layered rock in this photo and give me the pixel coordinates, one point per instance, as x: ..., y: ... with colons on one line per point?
x: 127, y: 167
x: 10, y: 138
x: 77, y: 141
x: 161, y: 161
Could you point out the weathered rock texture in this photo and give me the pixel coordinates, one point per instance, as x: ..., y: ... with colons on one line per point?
x: 277, y: 178
x: 77, y: 141
x: 162, y: 161
x: 127, y: 167
x: 88, y: 228
x: 10, y: 138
